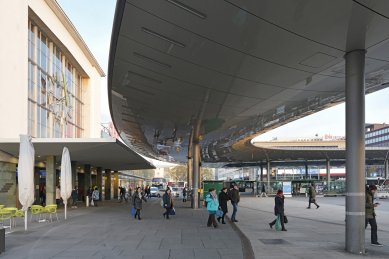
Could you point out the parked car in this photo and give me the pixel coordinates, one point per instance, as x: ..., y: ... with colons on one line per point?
x: 175, y: 192
x: 160, y: 192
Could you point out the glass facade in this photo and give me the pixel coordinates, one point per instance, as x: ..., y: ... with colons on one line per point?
x: 54, y: 90
x: 377, y: 138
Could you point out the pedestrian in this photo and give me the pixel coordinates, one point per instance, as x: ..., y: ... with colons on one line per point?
x: 235, y: 198
x: 223, y: 199
x: 263, y: 191
x: 74, y: 196
x: 137, y: 201
x: 370, y: 214
x: 58, y: 196
x: 89, y: 194
x: 42, y: 195
x: 184, y: 194
x: 95, y: 196
x: 121, y: 194
x: 212, y: 206
x: 167, y: 203
x: 312, y: 196
x: 279, y: 209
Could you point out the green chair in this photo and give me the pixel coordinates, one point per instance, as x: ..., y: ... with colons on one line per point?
x: 36, y: 210
x: 5, y: 215
x: 51, y: 209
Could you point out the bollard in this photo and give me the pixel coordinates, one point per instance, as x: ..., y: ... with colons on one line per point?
x: 87, y: 201
x: 2, y: 240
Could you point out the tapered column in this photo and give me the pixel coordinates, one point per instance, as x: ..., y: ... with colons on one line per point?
x: 306, y: 170
x: 87, y: 178
x: 196, y: 173
x: 355, y: 151
x: 107, y: 184
x: 50, y: 180
x: 99, y: 180
x: 115, y: 185
x: 37, y: 185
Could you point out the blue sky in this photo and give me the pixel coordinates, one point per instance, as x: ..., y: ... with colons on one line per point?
x: 93, y: 20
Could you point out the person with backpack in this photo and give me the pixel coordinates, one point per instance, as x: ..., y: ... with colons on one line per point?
x: 167, y: 203
x: 279, y: 209
x: 223, y: 199
x: 212, y: 206
x: 95, y: 196
x: 370, y: 214
x: 137, y: 201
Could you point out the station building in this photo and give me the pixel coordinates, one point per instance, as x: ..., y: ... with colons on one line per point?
x: 50, y: 88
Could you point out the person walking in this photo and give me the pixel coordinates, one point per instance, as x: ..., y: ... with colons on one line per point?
x: 212, y: 206
x: 279, y: 209
x: 58, y: 196
x: 223, y: 199
x: 370, y: 214
x: 184, y: 194
x: 263, y: 191
x: 167, y: 203
x: 95, y: 196
x: 74, y: 196
x: 235, y: 198
x: 137, y: 201
x: 312, y: 196
x: 89, y: 194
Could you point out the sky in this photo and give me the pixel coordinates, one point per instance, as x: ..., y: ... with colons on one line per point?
x: 95, y: 24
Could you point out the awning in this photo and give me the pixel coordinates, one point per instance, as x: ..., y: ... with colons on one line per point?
x: 108, y: 153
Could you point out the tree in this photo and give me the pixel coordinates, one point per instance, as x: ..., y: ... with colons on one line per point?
x: 207, y: 174
x: 178, y: 173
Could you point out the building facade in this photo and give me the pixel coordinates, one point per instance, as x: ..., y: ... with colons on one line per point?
x: 50, y: 84
x: 377, y: 135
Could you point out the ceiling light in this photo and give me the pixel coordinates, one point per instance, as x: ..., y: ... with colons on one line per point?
x: 152, y: 60
x: 162, y: 37
x: 188, y: 9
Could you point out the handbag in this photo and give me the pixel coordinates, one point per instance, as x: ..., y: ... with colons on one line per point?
x: 278, y: 226
x: 219, y: 213
x: 285, y: 219
x: 133, y: 211
x: 173, y: 211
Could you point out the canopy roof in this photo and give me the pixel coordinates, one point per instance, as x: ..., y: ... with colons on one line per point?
x: 241, y: 68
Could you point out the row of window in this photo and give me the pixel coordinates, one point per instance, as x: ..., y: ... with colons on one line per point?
x: 54, y: 90
x: 377, y: 132
x: 375, y: 140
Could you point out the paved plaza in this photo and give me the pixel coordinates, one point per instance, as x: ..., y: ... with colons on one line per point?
x: 312, y: 233
x: 108, y: 231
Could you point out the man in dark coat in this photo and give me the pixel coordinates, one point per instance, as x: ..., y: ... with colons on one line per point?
x: 137, y: 201
x: 167, y: 203
x: 370, y: 214
x: 312, y: 196
x: 279, y: 209
x: 235, y: 198
x: 223, y: 198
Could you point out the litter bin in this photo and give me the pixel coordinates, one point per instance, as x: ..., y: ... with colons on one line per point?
x: 2, y: 240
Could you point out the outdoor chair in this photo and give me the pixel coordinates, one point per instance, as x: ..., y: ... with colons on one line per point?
x: 13, y: 211
x: 36, y: 210
x: 51, y: 209
x: 1, y: 206
x: 4, y: 215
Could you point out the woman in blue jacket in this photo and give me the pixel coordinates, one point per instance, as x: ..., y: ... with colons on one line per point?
x: 212, y: 206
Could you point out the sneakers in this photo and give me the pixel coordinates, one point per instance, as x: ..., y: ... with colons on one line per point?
x: 308, y: 207
x: 317, y: 207
x: 376, y: 244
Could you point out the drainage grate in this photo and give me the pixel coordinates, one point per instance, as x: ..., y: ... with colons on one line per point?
x: 274, y: 241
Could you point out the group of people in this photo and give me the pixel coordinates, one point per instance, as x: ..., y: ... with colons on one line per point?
x: 217, y: 204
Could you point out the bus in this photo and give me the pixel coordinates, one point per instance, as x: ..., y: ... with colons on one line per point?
x: 159, y: 182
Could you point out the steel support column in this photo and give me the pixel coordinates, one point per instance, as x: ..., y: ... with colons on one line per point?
x: 328, y: 173
x: 268, y: 174
x: 196, y: 173
x: 386, y: 168
x: 355, y: 151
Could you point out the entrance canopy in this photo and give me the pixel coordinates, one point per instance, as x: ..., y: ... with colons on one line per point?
x: 107, y: 153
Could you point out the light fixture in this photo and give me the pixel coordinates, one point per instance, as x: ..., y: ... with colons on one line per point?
x: 162, y: 37
x: 188, y: 9
x: 136, y: 54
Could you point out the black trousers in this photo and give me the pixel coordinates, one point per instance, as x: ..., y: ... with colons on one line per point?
x: 282, y: 220
x: 167, y: 212
x: 211, y: 220
x: 137, y: 213
x: 373, y: 225
x: 312, y: 201
x: 222, y: 217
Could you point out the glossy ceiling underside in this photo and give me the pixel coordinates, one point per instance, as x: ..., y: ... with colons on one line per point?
x: 245, y: 66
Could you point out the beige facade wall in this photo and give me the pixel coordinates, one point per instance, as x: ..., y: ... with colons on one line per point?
x: 14, y: 64
x: 13, y: 68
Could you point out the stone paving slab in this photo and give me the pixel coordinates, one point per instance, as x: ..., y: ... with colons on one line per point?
x: 109, y: 231
x: 312, y: 233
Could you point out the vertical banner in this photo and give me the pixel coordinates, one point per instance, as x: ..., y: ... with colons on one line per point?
x: 287, y: 189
